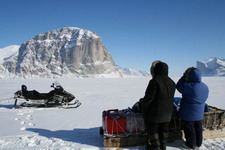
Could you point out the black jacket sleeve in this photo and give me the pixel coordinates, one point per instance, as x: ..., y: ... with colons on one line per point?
x: 149, y: 95
x: 180, y: 84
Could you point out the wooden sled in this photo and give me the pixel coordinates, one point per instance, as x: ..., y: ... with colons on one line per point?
x: 213, y: 125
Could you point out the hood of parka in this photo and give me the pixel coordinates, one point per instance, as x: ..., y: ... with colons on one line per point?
x: 161, y: 68
x: 195, y: 76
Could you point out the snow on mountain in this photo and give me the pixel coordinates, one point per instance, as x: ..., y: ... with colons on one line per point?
x: 8, y: 52
x: 130, y: 72
x: 212, y: 67
x: 65, y: 52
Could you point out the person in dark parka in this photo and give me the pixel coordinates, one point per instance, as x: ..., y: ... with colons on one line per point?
x: 157, y: 106
x: 194, y: 94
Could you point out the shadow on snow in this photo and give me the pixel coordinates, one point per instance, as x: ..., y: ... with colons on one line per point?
x: 89, y: 136
x: 7, y: 106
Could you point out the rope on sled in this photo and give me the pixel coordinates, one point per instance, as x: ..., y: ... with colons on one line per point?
x: 118, y: 125
x: 133, y: 121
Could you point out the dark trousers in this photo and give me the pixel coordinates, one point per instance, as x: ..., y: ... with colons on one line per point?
x: 193, y: 133
x: 157, y: 135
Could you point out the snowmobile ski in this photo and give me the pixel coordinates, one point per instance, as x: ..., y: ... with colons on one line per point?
x: 76, y: 104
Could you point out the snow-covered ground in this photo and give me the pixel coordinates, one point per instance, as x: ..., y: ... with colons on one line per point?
x: 68, y: 129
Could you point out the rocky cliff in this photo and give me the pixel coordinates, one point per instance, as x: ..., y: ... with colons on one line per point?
x: 65, y: 52
x: 62, y: 52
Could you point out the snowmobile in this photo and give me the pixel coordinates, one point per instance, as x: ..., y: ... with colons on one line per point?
x: 56, y: 97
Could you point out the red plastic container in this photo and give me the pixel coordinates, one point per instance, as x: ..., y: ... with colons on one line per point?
x: 113, y: 122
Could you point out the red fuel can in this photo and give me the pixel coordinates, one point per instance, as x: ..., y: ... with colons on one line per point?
x: 113, y: 122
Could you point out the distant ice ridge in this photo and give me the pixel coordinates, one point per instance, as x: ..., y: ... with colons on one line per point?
x: 66, y: 52
x: 212, y: 67
x: 130, y: 72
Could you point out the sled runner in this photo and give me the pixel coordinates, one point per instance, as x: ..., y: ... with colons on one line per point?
x: 56, y: 97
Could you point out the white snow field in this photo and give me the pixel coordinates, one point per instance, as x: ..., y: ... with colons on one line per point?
x: 72, y: 129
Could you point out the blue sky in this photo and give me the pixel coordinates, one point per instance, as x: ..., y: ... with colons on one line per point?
x: 136, y: 32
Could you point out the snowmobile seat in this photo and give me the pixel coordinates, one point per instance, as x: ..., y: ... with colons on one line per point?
x: 35, y: 95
